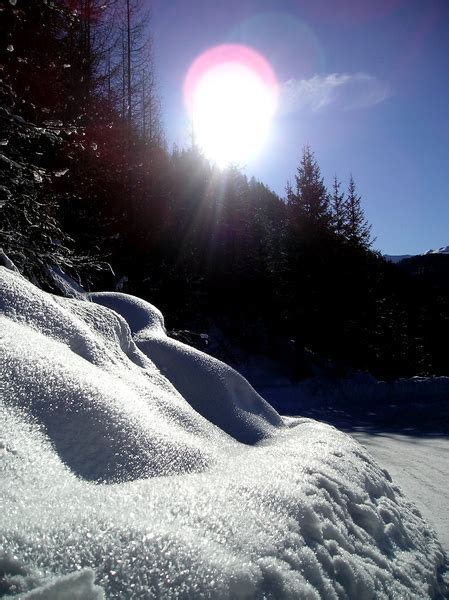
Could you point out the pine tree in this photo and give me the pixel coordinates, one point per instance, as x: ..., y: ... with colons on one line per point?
x: 32, y: 103
x: 358, y: 228
x: 338, y: 210
x: 309, y: 203
x: 33, y: 58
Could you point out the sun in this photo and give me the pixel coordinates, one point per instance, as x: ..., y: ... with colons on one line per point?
x: 231, y: 94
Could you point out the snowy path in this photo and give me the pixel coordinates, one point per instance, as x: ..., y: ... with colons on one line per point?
x: 420, y: 465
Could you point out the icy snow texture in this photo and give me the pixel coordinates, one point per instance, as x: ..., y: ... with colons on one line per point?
x: 193, y: 513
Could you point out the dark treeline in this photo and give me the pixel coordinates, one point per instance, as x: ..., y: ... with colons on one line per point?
x: 88, y: 185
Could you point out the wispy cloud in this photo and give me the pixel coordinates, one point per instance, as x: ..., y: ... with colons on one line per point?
x: 338, y: 90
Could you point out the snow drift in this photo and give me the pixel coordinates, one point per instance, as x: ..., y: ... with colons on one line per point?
x: 124, y: 475
x: 211, y: 387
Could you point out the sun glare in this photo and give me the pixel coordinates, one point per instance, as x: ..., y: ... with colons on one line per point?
x: 231, y: 94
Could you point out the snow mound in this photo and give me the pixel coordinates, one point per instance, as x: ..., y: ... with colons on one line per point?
x: 114, y: 485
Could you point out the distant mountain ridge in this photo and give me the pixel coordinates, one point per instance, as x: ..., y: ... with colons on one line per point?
x: 443, y: 250
x: 397, y: 258
x: 400, y: 257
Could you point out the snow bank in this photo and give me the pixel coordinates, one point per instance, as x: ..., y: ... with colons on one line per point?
x: 114, y: 485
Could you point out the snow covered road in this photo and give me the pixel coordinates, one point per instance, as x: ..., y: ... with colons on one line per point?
x: 403, y: 424
x: 420, y: 466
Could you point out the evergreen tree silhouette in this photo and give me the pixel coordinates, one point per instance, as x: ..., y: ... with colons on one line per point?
x: 358, y: 228
x: 338, y: 210
x: 309, y: 202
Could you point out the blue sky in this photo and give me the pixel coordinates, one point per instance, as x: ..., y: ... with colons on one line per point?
x: 364, y: 82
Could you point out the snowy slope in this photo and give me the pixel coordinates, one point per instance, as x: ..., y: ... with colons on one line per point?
x: 124, y: 475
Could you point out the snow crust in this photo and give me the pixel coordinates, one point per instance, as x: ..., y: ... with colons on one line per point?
x: 121, y: 477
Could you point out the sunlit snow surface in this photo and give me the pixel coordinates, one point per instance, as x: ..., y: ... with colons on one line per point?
x: 114, y: 485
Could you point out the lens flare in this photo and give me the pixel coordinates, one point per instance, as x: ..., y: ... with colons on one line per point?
x: 291, y: 43
x: 350, y: 12
x: 231, y: 94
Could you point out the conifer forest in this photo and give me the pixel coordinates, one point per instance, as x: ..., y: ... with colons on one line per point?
x: 89, y: 186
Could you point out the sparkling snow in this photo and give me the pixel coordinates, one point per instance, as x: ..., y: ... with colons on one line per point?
x: 124, y: 475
